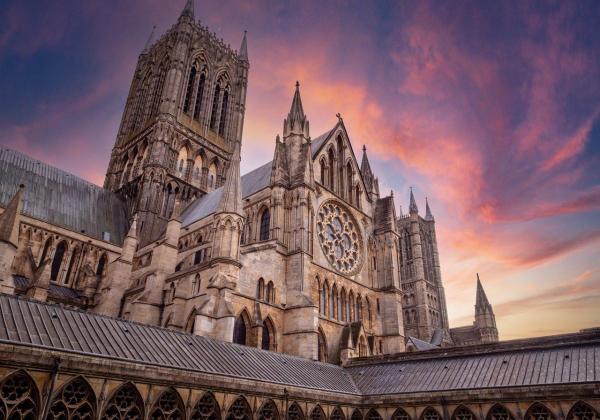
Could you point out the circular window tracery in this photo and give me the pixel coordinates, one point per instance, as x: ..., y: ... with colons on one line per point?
x: 339, y: 237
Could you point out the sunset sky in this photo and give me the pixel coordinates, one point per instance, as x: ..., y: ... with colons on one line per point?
x: 490, y: 109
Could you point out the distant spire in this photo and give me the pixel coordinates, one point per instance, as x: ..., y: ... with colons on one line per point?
x: 428, y: 215
x: 365, y: 168
x: 231, y: 200
x: 188, y: 10
x: 481, y: 301
x: 244, y: 48
x: 149, y: 41
x: 413, y: 204
x: 9, y: 219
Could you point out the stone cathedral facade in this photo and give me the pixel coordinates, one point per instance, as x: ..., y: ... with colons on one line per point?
x: 303, y: 255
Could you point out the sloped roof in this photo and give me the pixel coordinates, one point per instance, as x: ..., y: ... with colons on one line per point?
x: 54, y: 290
x: 61, y: 198
x: 420, y: 344
x: 252, y: 182
x: 317, y: 142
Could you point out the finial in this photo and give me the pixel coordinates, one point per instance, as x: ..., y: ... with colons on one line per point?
x: 339, y: 116
x: 364, y: 148
x: 297, y: 84
x: 391, y: 193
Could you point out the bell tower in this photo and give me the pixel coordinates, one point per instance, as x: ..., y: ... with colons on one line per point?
x: 183, y: 116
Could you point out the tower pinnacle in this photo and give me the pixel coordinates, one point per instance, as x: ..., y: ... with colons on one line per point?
x: 296, y: 120
x: 149, y: 41
x: 244, y: 48
x: 428, y: 215
x: 481, y: 301
x: 231, y: 200
x: 413, y: 204
x: 188, y: 10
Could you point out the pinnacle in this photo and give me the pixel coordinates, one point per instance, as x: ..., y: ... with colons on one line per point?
x: 428, y: 215
x: 231, y: 200
x: 9, y: 219
x: 188, y: 10
x: 243, y: 54
x: 413, y: 204
x: 481, y: 300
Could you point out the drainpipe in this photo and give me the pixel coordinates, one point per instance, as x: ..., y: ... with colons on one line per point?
x: 285, y: 394
x: 55, y: 367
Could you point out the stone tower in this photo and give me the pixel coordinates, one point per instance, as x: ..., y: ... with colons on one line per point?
x: 183, y: 115
x: 485, y: 320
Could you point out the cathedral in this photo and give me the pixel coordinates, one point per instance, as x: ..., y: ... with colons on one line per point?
x: 131, y: 301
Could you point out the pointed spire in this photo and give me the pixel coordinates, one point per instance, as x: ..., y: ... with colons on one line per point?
x: 243, y: 54
x: 365, y: 166
x: 296, y: 121
x: 481, y: 301
x: 149, y: 41
x: 428, y: 215
x: 188, y: 10
x: 9, y: 219
x: 231, y: 200
x: 413, y: 204
x: 296, y: 111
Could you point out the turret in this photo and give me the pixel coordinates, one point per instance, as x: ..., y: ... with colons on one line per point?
x: 9, y: 236
x: 428, y: 215
x: 485, y: 320
x: 413, y: 209
x: 368, y: 177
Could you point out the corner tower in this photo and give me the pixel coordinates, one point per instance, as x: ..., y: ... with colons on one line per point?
x: 183, y: 116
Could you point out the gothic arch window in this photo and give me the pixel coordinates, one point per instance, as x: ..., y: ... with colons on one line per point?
x: 268, y: 340
x: 268, y: 411
x: 359, y: 313
x: 349, y: 182
x: 317, y: 413
x: 499, y: 412
x: 323, y: 166
x: 260, y: 289
x: 463, y: 413
x: 270, y: 292
x: 125, y: 404
x: 295, y: 412
x: 331, y: 171
x: 322, y: 297
x: 265, y: 221
x: 322, y: 346
x: 206, y: 408
x: 215, y: 107
x: 351, y: 307
x: 197, y: 171
x: 400, y: 414
x: 369, y: 314
x: 158, y: 88
x: 240, y: 328
x: 333, y: 302
x: 356, y: 415
x: 538, y: 411
x: 212, y: 177
x: 430, y: 414
x: 344, y: 307
x: 168, y: 406
x: 337, y: 414
x: 325, y: 298
x: 199, y: 96
x: 239, y: 410
x: 189, y: 90
x: 223, y: 116
x: 57, y: 260
x: 582, y: 411
x: 75, y: 401
x: 19, y: 398
x: 373, y: 415
x: 182, y: 162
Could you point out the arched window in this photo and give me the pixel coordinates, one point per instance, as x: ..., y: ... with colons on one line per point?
x: 325, y: 298
x: 351, y: 307
x: 215, y: 107
x: 337, y: 414
x: 322, y: 297
x: 197, y: 171
x: 430, y: 414
x: 333, y: 301
x: 206, y: 408
x: 169, y: 406
x: 317, y: 413
x: 356, y: 415
x: 45, y: 250
x: 212, y: 177
x: 373, y: 415
x: 57, y: 261
x: 323, y: 171
x: 331, y: 156
x: 349, y: 182
x: 223, y: 116
x: 260, y: 289
x: 190, y: 90
x: 358, y: 310
x: 268, y: 411
x: 265, y: 221
x: 463, y: 413
x: 199, y: 97
x: 101, y: 264
x: 239, y: 410
x: 126, y: 403
x: 322, y: 346
x: 268, y: 336
x: 344, y: 316
x: 182, y: 162
x: 400, y: 414
x: 270, y: 293
x: 239, y: 330
x: 499, y: 412
x: 357, y: 196
x: 19, y: 397
x: 75, y: 401
x: 538, y: 412
x: 582, y: 411
x: 295, y: 412
x: 362, y: 347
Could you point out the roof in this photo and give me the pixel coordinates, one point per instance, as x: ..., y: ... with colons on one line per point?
x: 318, y: 142
x: 61, y: 198
x: 56, y: 291
x: 36, y: 324
x: 511, y: 364
x: 420, y: 344
x: 252, y: 182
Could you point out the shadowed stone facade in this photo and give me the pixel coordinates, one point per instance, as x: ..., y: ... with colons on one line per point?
x: 302, y: 255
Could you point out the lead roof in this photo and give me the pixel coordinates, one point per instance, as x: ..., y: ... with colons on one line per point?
x: 35, y: 324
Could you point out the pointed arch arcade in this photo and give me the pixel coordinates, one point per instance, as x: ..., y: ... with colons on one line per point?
x: 125, y: 403
x: 268, y: 411
x: 74, y: 401
x: 239, y: 410
x: 19, y: 397
x: 207, y: 408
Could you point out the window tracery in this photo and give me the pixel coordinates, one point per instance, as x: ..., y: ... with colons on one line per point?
x: 582, y: 411
x: 337, y: 414
x: 498, y: 412
x: 268, y: 411
x: 239, y: 410
x: 75, y: 401
x: 125, y: 404
x: 317, y: 413
x: 538, y: 412
x: 18, y: 398
x: 206, y: 408
x: 463, y: 413
x: 400, y: 414
x: 295, y: 412
x: 339, y: 237
x: 373, y: 415
x: 168, y: 407
x: 356, y: 415
x: 430, y: 414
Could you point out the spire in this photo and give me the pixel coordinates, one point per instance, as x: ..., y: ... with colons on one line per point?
x: 243, y: 54
x: 428, y: 215
x: 296, y: 120
x: 413, y: 204
x: 365, y: 166
x: 481, y: 301
x: 9, y: 219
x: 149, y: 41
x: 188, y: 10
x: 231, y: 200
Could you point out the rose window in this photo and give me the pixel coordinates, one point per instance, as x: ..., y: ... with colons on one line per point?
x: 339, y: 237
